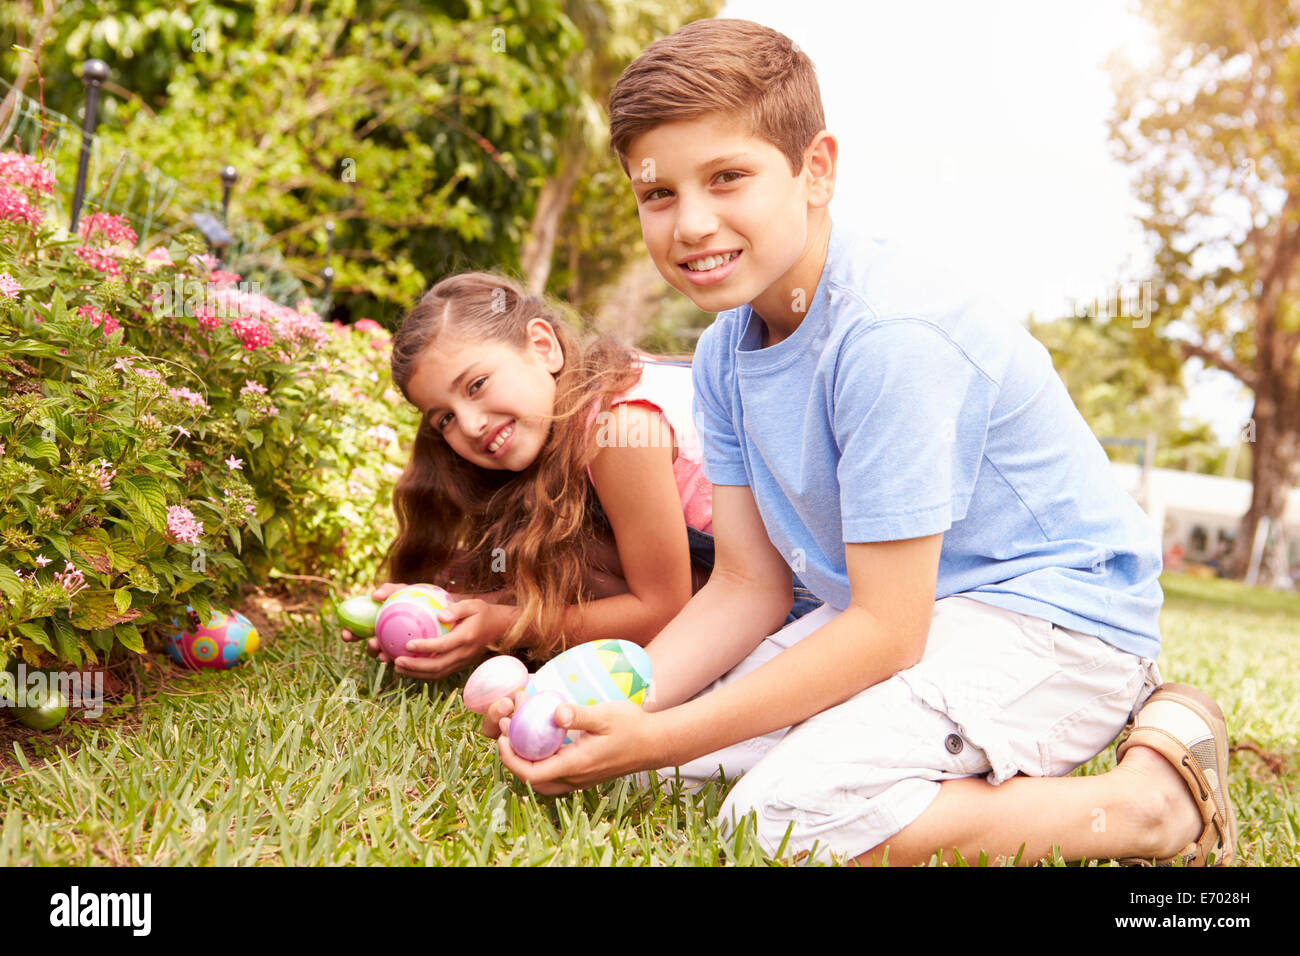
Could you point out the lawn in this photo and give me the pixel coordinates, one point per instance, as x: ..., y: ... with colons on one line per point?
x: 309, y: 755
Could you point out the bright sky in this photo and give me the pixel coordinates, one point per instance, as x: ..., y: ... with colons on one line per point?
x: 979, y: 130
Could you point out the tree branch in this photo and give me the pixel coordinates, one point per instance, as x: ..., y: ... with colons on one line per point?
x: 1211, y: 357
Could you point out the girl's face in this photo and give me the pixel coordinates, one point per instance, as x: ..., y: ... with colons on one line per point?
x: 489, y: 400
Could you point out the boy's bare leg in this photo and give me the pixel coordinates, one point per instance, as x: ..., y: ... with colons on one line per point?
x: 1142, y: 808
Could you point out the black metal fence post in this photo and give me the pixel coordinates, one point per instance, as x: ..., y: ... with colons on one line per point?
x: 93, y: 75
x: 328, y: 272
x: 228, y: 176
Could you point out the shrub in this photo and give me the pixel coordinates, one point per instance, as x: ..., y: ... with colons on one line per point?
x: 161, y: 430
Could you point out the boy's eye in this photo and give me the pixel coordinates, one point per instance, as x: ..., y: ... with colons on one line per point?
x: 731, y: 172
x: 653, y: 195
x: 443, y: 422
x: 477, y: 384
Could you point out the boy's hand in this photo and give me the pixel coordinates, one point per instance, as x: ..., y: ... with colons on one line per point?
x: 474, y: 624
x: 618, y: 738
x: 499, y: 712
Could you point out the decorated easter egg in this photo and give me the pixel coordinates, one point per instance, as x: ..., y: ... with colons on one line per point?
x: 534, y: 735
x: 495, y: 678
x: 358, y: 614
x: 226, y: 640
x: 595, y: 672
x: 410, y: 614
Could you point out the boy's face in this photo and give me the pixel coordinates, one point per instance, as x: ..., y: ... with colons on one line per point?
x: 713, y: 196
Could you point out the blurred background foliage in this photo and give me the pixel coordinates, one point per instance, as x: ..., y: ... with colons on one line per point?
x: 437, y: 135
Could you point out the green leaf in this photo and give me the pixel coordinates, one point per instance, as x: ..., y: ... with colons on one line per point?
x: 130, y: 637
x: 36, y: 634
x: 38, y: 448
x: 69, y: 648
x: 10, y: 584
x: 148, y: 498
x: 60, y: 543
x: 254, y: 437
x: 122, y: 598
x: 235, y: 537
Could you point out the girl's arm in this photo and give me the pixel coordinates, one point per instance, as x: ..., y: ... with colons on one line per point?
x: 882, y: 631
x: 635, y: 484
x: 634, y: 481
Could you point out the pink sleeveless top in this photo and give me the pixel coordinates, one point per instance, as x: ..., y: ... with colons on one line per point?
x: 668, y: 390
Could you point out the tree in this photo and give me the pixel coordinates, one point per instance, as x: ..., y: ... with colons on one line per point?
x: 1209, y: 129
x: 592, y: 250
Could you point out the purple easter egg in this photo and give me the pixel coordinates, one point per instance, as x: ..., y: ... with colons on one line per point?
x: 410, y: 614
x: 495, y: 678
x: 534, y: 734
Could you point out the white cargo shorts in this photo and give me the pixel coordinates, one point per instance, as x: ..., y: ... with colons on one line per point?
x: 996, y: 694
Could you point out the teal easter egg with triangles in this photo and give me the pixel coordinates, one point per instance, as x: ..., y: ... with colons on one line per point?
x: 595, y: 672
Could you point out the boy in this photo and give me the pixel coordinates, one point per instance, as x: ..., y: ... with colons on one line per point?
x: 991, y: 594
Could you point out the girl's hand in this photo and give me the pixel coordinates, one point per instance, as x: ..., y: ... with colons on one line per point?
x: 619, y: 738
x: 474, y: 624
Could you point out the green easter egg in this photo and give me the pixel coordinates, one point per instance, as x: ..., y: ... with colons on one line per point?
x: 48, y: 714
x: 358, y: 615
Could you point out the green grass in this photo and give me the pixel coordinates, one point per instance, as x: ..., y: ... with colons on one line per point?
x: 310, y: 756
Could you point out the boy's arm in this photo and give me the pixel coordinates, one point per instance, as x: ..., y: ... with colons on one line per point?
x: 883, y: 631
x: 747, y: 597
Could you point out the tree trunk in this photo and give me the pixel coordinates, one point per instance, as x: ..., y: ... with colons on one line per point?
x: 535, y: 256
x: 1276, y: 470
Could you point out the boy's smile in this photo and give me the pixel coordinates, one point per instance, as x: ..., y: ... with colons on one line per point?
x: 724, y: 220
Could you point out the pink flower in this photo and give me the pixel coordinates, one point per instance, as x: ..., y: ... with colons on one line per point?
x: 189, y: 397
x: 182, y: 526
x: 71, y: 579
x: 99, y: 260
x: 255, y: 388
x: 157, y: 258
x: 183, y: 431
x: 110, y: 323
x: 103, y: 474
x: 221, y: 277
x: 19, y: 169
x: 42, y: 560
x: 250, y: 509
x: 250, y: 332
x: 235, y: 464
x: 9, y: 287
x: 114, y: 229
x: 14, y: 206
x: 150, y: 373
x: 123, y: 365
x: 383, y: 435
x: 367, y: 325
x: 208, y: 322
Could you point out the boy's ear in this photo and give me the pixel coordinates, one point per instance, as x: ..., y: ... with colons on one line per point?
x: 819, y: 167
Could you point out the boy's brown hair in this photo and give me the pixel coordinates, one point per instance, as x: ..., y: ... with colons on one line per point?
x: 736, y: 68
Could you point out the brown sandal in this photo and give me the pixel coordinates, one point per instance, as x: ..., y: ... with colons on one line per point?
x: 1186, y: 727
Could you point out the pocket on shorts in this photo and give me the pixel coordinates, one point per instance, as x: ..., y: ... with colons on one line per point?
x: 981, y: 663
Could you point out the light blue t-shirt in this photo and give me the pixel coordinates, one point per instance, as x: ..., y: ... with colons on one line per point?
x: 892, y: 412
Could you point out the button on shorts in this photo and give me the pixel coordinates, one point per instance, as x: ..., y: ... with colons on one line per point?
x: 996, y: 694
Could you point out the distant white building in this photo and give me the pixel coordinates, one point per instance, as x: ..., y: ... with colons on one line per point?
x: 1201, y: 512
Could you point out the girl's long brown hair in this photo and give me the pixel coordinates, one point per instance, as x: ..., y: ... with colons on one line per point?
x: 530, y: 533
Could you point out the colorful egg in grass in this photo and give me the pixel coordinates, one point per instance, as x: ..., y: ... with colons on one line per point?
x: 596, y: 672
x: 226, y: 640
x: 534, y: 735
x: 495, y: 678
x: 359, y: 614
x: 411, y: 614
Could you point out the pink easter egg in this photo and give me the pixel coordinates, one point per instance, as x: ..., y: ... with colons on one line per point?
x: 495, y: 678
x: 410, y: 614
x: 534, y: 735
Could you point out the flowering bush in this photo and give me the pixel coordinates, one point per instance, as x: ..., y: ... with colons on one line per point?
x: 162, y: 429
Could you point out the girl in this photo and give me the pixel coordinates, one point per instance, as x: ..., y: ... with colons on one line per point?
x: 560, y: 486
